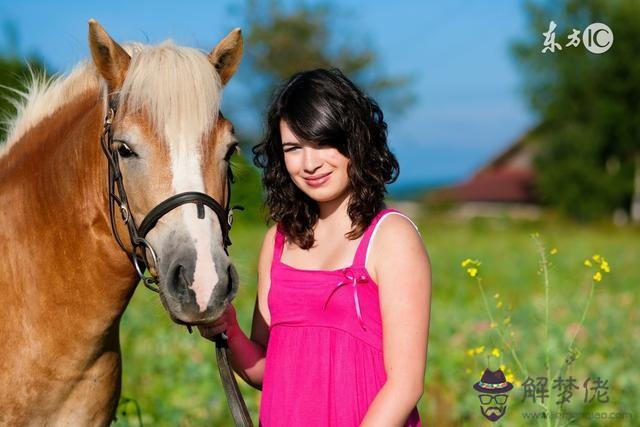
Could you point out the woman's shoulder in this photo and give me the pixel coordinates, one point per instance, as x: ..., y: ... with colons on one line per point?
x: 268, y: 243
x: 396, y: 245
x: 393, y: 223
x: 395, y: 234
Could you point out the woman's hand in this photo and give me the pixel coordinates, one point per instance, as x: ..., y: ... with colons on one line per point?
x: 227, y: 323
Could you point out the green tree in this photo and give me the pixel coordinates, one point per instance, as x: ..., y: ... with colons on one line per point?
x: 589, y: 105
x: 281, y: 41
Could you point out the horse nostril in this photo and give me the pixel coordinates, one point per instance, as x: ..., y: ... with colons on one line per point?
x: 179, y: 282
x: 229, y: 281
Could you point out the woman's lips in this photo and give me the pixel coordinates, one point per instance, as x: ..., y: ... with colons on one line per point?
x: 318, y: 181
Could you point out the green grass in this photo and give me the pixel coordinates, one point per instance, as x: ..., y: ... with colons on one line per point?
x: 172, y: 375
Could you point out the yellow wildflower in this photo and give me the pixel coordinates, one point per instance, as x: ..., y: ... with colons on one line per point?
x: 472, y: 271
x: 517, y: 383
x: 507, y: 320
x: 597, y: 277
x: 502, y: 367
x: 499, y: 304
x: 596, y: 258
x: 470, y: 352
x: 495, y: 352
x: 553, y: 251
x: 496, y: 296
x: 470, y: 261
x: 605, y: 266
x: 479, y: 350
x: 510, y: 378
x: 587, y: 263
x: 493, y: 325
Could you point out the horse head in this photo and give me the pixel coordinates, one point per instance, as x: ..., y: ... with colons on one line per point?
x: 168, y: 137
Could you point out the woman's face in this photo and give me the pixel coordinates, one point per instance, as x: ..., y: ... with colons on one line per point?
x: 320, y: 171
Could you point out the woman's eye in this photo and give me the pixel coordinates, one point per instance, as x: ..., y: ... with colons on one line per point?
x: 124, y: 151
x: 287, y: 149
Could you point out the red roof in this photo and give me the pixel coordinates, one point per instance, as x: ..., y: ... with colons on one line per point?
x: 498, y: 185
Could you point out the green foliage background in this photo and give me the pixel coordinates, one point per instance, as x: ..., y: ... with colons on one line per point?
x: 172, y: 374
x: 588, y: 105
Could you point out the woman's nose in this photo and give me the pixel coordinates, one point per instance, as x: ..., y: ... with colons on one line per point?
x: 310, y: 159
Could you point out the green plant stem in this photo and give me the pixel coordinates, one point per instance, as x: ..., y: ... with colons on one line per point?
x: 512, y: 350
x: 575, y: 334
x: 522, y: 368
x: 544, y: 265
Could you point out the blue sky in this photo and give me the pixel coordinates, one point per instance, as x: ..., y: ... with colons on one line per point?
x: 469, y: 105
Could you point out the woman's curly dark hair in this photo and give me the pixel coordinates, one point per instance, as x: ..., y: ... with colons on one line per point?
x: 326, y: 107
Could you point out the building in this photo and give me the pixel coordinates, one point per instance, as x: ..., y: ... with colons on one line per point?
x: 505, y: 186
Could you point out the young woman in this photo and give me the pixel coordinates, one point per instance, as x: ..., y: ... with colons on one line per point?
x: 340, y: 325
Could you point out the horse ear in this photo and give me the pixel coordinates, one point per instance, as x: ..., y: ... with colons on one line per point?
x: 110, y: 58
x: 226, y: 56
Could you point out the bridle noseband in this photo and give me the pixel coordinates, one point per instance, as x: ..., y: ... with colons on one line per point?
x: 140, y: 246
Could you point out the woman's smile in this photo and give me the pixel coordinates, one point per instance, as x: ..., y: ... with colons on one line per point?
x: 317, y: 180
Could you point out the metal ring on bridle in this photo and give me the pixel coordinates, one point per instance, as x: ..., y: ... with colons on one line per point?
x: 141, y: 243
x: 124, y: 212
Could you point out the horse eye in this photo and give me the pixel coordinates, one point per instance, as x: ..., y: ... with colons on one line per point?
x: 124, y: 151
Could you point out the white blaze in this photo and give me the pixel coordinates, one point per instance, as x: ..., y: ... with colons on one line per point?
x: 187, y: 176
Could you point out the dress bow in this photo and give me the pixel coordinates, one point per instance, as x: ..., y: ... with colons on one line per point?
x: 353, y: 278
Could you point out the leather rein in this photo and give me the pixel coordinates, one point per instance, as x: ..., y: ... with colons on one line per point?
x: 140, y: 246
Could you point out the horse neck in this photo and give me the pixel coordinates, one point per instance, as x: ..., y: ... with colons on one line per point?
x: 64, y: 256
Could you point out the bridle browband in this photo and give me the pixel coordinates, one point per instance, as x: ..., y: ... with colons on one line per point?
x: 140, y: 246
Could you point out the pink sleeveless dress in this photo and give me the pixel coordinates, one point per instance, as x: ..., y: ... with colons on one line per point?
x: 324, y: 362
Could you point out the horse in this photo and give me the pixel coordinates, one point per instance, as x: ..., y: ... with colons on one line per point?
x: 64, y: 279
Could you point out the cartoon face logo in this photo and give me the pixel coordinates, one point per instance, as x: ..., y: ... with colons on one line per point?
x: 493, y: 388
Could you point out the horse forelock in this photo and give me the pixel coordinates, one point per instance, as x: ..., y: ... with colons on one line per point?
x: 177, y: 87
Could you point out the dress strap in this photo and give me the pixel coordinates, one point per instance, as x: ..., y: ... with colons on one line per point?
x: 360, y: 257
x: 278, y: 244
x: 362, y: 253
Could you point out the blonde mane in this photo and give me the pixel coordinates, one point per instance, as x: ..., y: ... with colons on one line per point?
x: 43, y: 96
x: 177, y: 87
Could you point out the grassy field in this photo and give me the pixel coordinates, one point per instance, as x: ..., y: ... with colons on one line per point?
x: 172, y: 378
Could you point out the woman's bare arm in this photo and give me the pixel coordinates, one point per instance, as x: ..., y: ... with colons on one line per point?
x: 402, y: 270
x: 247, y: 355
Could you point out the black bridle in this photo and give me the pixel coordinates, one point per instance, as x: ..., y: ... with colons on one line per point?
x: 140, y: 246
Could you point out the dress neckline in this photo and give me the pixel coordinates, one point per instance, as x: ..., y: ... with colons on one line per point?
x: 359, y: 257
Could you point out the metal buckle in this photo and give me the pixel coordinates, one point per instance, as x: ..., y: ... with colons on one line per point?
x: 108, y: 120
x: 124, y: 212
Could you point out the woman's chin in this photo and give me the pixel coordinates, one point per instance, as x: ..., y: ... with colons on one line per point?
x: 323, y: 195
